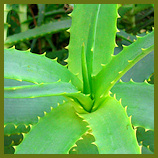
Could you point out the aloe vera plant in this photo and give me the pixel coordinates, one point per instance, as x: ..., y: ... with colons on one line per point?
x: 82, y: 109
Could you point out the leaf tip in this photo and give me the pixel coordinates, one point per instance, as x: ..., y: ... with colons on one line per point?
x: 59, y: 80
x: 19, y: 80
x: 67, y: 47
x: 116, y: 45
x: 70, y: 14
x: 143, y: 49
x: 80, y: 138
x: 44, y: 54
x: 55, y: 59
x: 146, y: 129
x: 114, y: 96
x: 120, y: 101
x: 112, y: 82
x: 45, y: 113
x: 130, y: 117
x: 129, y: 61
x: 118, y: 30
x: 93, y: 143
x: 145, y: 81
x: 77, y: 74
x: 110, y: 93
x: 103, y: 65
x: 125, y: 109
x: 118, y: 16
x: 140, y: 147
x: 120, y: 81
x: 66, y: 60
x: 28, y: 50
x: 13, y: 47
x: 38, y: 118
x: 68, y: 30
x: 120, y: 72
x: 124, y: 46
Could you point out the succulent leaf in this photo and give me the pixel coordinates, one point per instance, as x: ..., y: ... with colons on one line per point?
x: 112, y: 129
x: 84, y: 26
x: 40, y: 90
x: 146, y: 138
x: 11, y: 128
x: 55, y: 129
x: 47, y: 90
x: 139, y: 99
x: 85, y: 145
x: 142, y: 70
x: 26, y: 66
x: 50, y: 28
x: 122, y: 62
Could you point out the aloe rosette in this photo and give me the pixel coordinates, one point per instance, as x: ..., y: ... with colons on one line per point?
x: 82, y: 109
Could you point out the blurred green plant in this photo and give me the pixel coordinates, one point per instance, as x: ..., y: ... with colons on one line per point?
x: 36, y: 86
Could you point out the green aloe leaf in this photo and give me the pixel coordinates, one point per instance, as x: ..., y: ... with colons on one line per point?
x: 139, y: 99
x: 40, y: 90
x: 11, y: 140
x: 50, y: 28
x: 126, y: 36
x: 26, y: 66
x: 11, y: 128
x: 146, y: 138
x: 20, y: 112
x: 145, y: 150
x: 46, y: 14
x: 9, y: 150
x: 52, y: 133
x: 10, y: 82
x: 24, y: 111
x: 112, y: 129
x: 85, y: 145
x: 142, y: 70
x: 88, y: 27
x: 46, y: 90
x: 120, y: 64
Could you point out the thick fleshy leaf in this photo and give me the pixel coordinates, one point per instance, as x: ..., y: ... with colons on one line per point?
x: 55, y: 133
x: 112, y: 129
x: 26, y: 66
x: 120, y: 64
x: 145, y: 150
x: 95, y: 26
x: 139, y: 99
x: 11, y: 128
x: 10, y: 82
x: 26, y: 110
x: 50, y: 28
x: 125, y: 36
x: 141, y: 70
x: 12, y: 139
x: 40, y: 90
x: 48, y: 89
x: 20, y: 112
x: 85, y: 145
x: 146, y: 138
x: 9, y: 150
